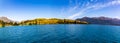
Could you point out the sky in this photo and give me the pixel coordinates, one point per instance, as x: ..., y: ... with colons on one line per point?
x: 70, y: 9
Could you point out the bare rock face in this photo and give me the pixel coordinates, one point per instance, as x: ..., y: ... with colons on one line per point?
x: 5, y: 19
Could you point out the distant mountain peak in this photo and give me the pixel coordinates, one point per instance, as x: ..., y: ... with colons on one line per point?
x: 5, y: 19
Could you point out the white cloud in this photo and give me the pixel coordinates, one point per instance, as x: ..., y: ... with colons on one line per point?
x: 117, y: 17
x: 87, y: 4
x: 77, y: 14
x: 73, y: 8
x: 94, y: 7
x: 91, y: 0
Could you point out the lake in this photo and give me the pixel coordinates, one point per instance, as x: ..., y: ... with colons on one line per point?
x: 60, y: 33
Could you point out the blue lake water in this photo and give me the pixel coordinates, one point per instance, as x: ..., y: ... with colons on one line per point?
x: 60, y: 33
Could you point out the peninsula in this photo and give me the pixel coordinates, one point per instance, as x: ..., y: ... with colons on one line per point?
x: 39, y: 21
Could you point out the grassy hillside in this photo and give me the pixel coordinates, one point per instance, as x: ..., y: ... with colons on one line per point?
x: 40, y: 21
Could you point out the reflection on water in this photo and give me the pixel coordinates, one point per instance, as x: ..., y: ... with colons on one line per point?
x: 61, y: 33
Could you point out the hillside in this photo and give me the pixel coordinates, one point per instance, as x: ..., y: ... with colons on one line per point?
x: 50, y: 21
x: 4, y: 21
x: 100, y: 20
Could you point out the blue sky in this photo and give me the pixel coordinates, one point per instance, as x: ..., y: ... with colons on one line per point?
x: 29, y: 9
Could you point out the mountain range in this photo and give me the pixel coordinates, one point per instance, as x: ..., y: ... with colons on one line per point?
x: 100, y: 20
x: 5, y: 19
x: 89, y: 20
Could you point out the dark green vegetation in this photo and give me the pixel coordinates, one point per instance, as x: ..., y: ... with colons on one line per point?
x: 4, y: 21
x: 3, y: 24
x: 40, y: 21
